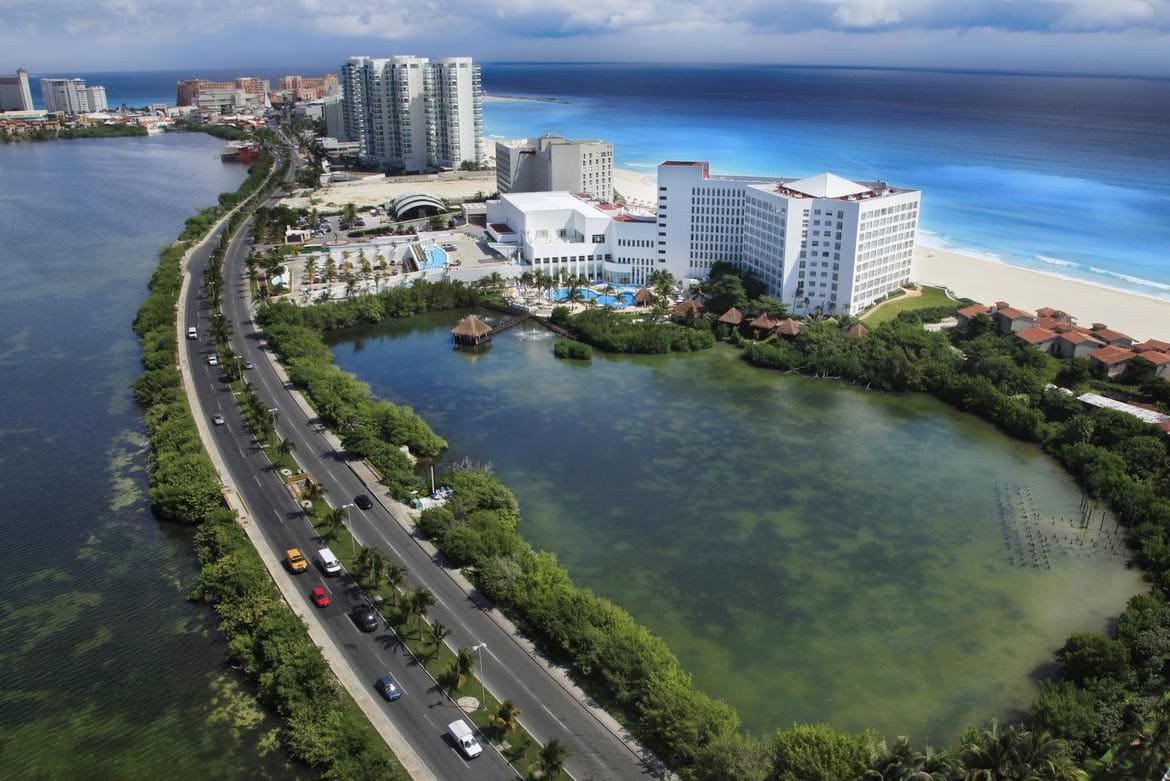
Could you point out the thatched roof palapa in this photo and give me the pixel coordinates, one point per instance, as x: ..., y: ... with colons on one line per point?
x: 789, y: 327
x: 857, y: 331
x: 732, y: 317
x: 763, y: 323
x: 471, y: 326
x: 687, y: 308
x: 643, y: 296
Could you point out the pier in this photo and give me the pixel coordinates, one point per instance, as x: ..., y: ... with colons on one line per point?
x: 1038, y: 541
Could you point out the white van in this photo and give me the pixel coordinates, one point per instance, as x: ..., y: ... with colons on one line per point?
x: 464, y: 739
x: 329, y: 563
x: 192, y: 333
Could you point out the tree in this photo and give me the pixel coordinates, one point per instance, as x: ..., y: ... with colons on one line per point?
x: 1088, y: 655
x: 552, y: 758
x: 461, y: 667
x: 312, y: 490
x: 372, y: 564
x: 349, y: 213
x: 437, y: 633
x: 419, y: 601
x: 506, y: 717
x: 816, y: 752
x: 1013, y: 752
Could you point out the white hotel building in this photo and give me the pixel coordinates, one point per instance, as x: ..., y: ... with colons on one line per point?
x: 823, y: 243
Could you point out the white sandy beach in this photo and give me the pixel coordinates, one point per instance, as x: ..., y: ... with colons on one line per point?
x: 985, y: 281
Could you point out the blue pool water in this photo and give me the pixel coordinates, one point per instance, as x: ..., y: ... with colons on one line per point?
x: 436, y: 258
x: 624, y: 298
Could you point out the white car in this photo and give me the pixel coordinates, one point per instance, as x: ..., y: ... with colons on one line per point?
x: 217, y: 419
x: 213, y: 360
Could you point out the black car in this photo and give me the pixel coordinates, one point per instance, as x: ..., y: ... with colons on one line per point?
x: 363, y: 501
x: 365, y: 617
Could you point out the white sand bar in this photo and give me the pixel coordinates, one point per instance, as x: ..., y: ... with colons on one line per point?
x: 985, y: 281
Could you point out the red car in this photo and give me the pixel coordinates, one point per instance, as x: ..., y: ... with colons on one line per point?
x: 319, y: 596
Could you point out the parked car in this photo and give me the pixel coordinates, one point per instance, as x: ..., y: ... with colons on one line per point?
x: 319, y: 596
x: 365, y: 617
x: 363, y: 501
x: 388, y: 687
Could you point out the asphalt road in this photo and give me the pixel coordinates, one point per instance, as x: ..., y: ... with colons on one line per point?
x: 422, y: 714
x: 549, y: 710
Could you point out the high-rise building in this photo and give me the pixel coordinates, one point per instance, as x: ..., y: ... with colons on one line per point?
x: 334, y: 119
x: 553, y: 163
x: 14, y: 92
x: 402, y: 118
x: 71, y: 96
x: 822, y: 243
x: 456, y: 112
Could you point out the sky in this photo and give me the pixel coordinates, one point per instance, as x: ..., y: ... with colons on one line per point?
x: 1125, y: 37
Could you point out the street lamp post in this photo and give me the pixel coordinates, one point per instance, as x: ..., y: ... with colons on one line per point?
x: 239, y: 370
x: 273, y: 412
x: 349, y: 528
x: 479, y: 649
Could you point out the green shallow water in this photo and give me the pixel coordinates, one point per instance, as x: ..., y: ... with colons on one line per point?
x: 811, y: 551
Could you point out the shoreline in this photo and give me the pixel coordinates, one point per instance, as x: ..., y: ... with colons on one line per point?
x: 489, y: 98
x: 1139, y: 315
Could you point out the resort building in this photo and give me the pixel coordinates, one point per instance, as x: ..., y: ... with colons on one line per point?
x: 410, y: 114
x: 14, y: 92
x: 552, y: 163
x: 309, y: 88
x: 187, y: 92
x: 71, y: 96
x: 821, y: 244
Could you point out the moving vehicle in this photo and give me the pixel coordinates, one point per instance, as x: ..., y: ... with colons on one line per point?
x: 249, y: 365
x: 319, y: 596
x: 192, y: 333
x: 213, y: 360
x: 365, y: 617
x: 464, y: 739
x: 217, y: 419
x: 388, y: 688
x: 330, y: 565
x: 363, y: 501
x: 295, y: 560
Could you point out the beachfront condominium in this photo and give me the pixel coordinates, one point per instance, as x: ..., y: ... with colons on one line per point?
x: 407, y: 113
x: 72, y: 96
x: 820, y: 244
x: 14, y: 92
x: 551, y: 163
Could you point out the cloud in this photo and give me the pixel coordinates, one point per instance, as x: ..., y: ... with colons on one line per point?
x: 560, y: 29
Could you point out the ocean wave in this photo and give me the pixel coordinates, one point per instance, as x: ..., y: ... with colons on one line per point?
x: 1057, y: 262
x: 639, y: 165
x: 1130, y: 279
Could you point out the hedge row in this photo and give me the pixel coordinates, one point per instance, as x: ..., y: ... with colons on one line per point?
x: 322, y: 727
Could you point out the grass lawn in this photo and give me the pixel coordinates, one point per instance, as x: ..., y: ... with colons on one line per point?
x: 931, y: 296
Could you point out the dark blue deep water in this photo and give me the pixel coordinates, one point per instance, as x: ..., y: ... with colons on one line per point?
x: 1069, y: 175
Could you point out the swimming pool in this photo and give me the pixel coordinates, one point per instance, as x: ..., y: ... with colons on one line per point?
x: 435, y: 258
x: 623, y: 298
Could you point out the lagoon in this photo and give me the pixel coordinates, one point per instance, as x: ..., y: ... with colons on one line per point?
x: 811, y: 551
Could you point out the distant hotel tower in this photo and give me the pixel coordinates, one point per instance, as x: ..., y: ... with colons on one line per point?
x: 14, y: 92
x: 71, y: 96
x: 553, y: 163
x: 409, y: 113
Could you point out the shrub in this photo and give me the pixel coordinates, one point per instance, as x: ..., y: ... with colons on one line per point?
x: 565, y: 348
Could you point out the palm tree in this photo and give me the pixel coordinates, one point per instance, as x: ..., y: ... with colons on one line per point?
x: 420, y: 600
x: 1146, y: 750
x: 506, y: 717
x: 437, y: 633
x: 286, y: 447
x: 461, y: 667
x: 1015, y: 752
x: 311, y: 271
x: 350, y: 285
x: 526, y: 280
x: 330, y: 269
x: 903, y: 762
x: 312, y: 490
x: 552, y: 758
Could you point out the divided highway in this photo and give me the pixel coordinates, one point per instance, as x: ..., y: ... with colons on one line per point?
x: 550, y: 709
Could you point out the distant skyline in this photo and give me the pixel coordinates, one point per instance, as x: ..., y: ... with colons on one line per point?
x: 1121, y: 37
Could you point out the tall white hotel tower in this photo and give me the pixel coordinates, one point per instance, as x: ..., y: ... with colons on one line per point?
x: 822, y: 243
x: 407, y: 112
